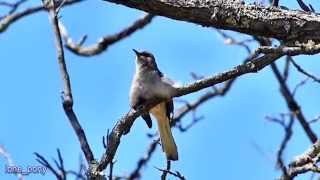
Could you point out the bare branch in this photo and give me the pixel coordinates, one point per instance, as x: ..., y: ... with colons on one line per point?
x: 293, y: 105
x: 309, y: 48
x: 136, y: 173
x: 7, y: 20
x: 104, y: 42
x: 67, y: 93
x: 181, y: 112
x: 316, y: 119
x: 288, y: 134
x: 300, y: 69
x: 300, y: 84
x: 288, y: 96
x: 14, y: 6
x: 230, y: 40
x: 167, y: 171
x: 46, y: 164
x: 250, y: 67
x: 194, y: 121
x: 305, y: 162
x: 235, y: 15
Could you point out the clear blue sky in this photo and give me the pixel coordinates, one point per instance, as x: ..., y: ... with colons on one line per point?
x: 234, y: 141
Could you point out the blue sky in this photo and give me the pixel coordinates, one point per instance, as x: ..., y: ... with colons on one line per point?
x: 234, y: 141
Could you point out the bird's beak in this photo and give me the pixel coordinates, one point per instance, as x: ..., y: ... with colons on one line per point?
x: 137, y: 52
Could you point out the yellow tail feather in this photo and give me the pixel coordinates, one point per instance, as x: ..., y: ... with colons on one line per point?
x: 168, y: 144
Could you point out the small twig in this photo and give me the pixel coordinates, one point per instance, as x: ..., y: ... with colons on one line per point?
x: 182, y: 111
x: 167, y: 171
x: 7, y: 20
x: 105, y: 140
x: 196, y: 76
x: 300, y: 84
x: 287, y: 136
x: 46, y: 164
x: 60, y: 165
x: 300, y: 69
x: 13, y: 6
x: 316, y: 119
x: 142, y: 161
x: 232, y: 41
x: 292, y: 104
x: 194, y: 121
x: 60, y: 6
x: 280, y: 121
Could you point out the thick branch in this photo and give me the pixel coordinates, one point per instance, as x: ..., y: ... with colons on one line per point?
x: 235, y: 15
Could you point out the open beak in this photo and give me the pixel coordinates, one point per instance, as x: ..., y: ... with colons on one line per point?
x: 137, y: 52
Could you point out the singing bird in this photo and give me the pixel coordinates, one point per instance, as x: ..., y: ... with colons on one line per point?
x: 148, y: 84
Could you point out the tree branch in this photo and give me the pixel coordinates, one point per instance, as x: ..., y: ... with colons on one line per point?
x: 300, y: 69
x: 104, y: 42
x: 304, y: 163
x: 136, y: 172
x: 14, y: 6
x: 235, y: 15
x: 250, y: 67
x: 293, y: 105
x: 7, y: 20
x: 67, y: 93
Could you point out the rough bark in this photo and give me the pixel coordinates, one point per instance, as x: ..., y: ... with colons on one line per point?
x: 235, y: 15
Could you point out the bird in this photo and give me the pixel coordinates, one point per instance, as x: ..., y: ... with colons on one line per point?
x: 149, y: 84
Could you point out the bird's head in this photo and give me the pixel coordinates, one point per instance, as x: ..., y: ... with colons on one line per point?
x: 145, y: 60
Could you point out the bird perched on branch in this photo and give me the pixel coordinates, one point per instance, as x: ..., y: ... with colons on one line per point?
x: 149, y: 84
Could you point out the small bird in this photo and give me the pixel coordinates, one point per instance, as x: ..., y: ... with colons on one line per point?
x: 148, y: 84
